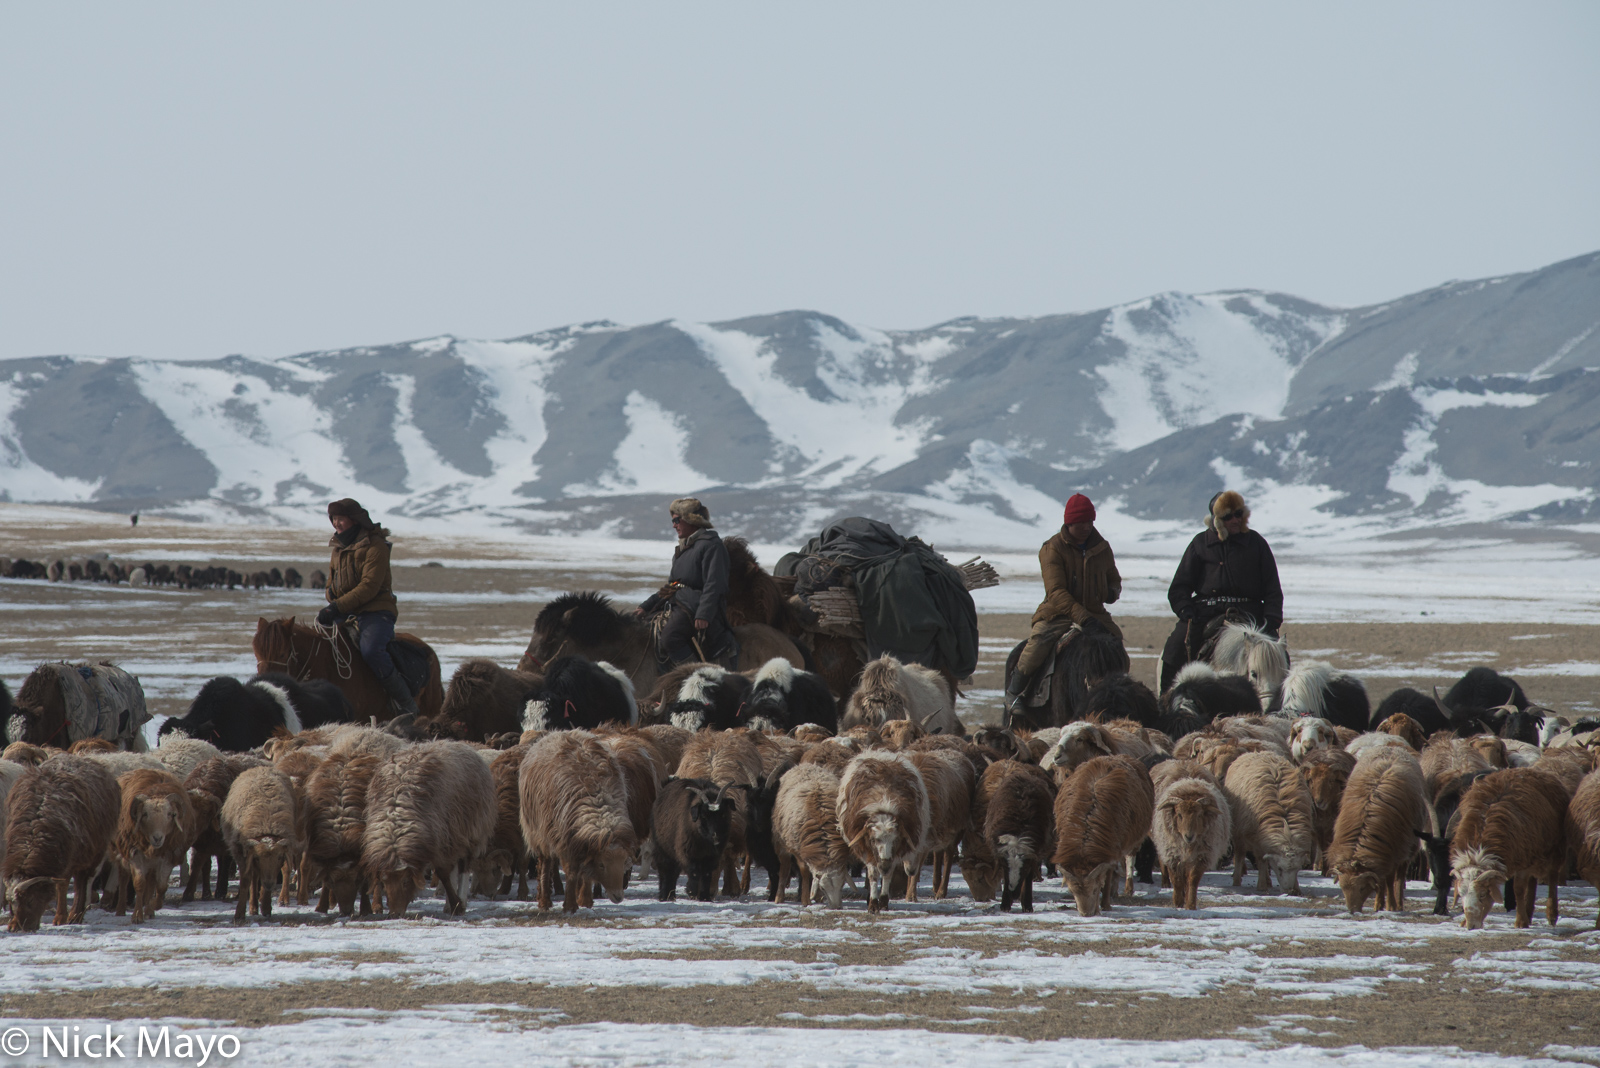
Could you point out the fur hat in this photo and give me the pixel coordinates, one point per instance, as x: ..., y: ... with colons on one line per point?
x: 352, y: 509
x: 691, y: 511
x: 1079, y: 509
x: 1221, y: 504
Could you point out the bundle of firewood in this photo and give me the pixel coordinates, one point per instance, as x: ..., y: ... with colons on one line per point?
x: 978, y: 575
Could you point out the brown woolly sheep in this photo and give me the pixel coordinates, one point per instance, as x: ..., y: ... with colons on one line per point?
x: 1512, y: 827
x: 1083, y: 741
x: 669, y: 742
x: 864, y: 737
x: 355, y: 740
x: 1583, y: 832
x: 298, y: 764
x: 263, y: 826
x: 1102, y: 816
x: 805, y: 831
x: 575, y: 813
x: 1403, y: 726
x: 1007, y: 743
x: 950, y: 779
x: 430, y: 806
x: 1271, y: 731
x: 1018, y: 827
x: 155, y: 826
x: 91, y: 745
x: 208, y: 785
x: 641, y: 767
x: 10, y: 772
x: 1168, y: 772
x: 884, y: 814
x: 899, y: 734
x: 507, y: 850
x: 60, y: 817
x: 182, y: 755
x: 811, y: 732
x: 1568, y: 765
x: 27, y: 753
x: 890, y: 690
x: 1272, y: 819
x: 1384, y: 806
x: 1445, y: 758
x: 1309, y: 733
x: 336, y: 823
x: 1191, y: 827
x: 1326, y: 772
x: 832, y: 753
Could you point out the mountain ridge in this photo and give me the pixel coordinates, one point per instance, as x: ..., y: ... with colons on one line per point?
x: 1469, y: 402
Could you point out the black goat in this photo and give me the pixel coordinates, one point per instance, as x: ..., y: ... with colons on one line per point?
x: 579, y: 693
x: 1484, y: 687
x: 1422, y: 708
x: 1445, y: 804
x: 689, y: 830
x: 1121, y: 696
x: 782, y: 698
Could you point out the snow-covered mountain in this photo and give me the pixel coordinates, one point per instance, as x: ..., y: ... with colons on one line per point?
x: 1469, y: 402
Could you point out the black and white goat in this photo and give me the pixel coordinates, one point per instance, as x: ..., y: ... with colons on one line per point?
x: 710, y: 696
x: 237, y: 717
x: 315, y: 702
x: 580, y: 694
x: 783, y: 697
x: 1199, y: 695
x: 1316, y: 689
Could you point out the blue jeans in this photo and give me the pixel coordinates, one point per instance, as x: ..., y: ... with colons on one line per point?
x: 377, y: 631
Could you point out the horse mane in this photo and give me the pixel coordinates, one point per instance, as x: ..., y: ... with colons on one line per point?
x: 753, y: 595
x: 1241, y: 646
x: 587, y: 618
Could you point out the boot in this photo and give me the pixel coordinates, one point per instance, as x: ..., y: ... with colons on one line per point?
x: 1016, y: 686
x: 400, y: 695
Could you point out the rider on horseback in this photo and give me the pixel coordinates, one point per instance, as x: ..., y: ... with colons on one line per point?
x: 359, y: 585
x: 1080, y: 579
x: 697, y: 591
x: 1228, y: 569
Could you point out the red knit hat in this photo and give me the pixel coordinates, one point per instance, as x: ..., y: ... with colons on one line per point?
x: 1079, y: 510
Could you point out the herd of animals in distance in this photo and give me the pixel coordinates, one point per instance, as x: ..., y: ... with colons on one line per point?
x: 559, y: 772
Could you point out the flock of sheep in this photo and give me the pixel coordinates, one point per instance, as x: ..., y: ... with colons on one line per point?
x: 185, y: 576
x: 367, y: 817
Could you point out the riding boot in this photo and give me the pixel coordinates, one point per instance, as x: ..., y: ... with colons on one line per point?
x: 1016, y: 686
x: 399, y: 695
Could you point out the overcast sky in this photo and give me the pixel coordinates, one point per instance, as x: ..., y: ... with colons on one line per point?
x: 190, y: 181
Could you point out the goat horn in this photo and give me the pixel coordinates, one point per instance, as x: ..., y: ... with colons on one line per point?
x: 1448, y: 712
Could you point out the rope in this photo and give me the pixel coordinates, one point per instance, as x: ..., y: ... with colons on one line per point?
x: 335, y: 638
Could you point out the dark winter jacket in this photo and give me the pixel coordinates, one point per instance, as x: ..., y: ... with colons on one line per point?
x: 1078, y: 582
x: 700, y: 567
x: 358, y: 574
x: 1237, y: 573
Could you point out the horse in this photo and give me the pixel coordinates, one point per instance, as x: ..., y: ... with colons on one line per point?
x: 1094, y: 653
x: 61, y: 703
x: 585, y: 624
x: 303, y: 652
x: 1245, y: 649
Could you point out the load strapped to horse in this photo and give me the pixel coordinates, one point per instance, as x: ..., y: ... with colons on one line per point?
x: 62, y: 703
x: 859, y: 590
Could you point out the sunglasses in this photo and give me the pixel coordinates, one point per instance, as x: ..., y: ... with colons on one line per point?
x: 1237, y: 513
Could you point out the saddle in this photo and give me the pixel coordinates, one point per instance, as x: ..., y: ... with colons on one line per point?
x: 411, y: 661
x: 1037, y: 694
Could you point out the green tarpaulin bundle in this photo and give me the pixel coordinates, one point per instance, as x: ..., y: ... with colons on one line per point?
x: 914, y: 604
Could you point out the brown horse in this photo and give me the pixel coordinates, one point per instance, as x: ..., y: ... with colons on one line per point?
x: 303, y: 653
x: 585, y: 624
x: 756, y: 597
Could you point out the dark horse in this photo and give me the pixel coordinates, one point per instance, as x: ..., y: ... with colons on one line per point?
x: 585, y: 624
x: 303, y: 653
x: 1092, y: 654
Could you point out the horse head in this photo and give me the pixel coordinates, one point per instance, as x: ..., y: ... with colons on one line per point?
x: 577, y: 623
x: 273, y: 643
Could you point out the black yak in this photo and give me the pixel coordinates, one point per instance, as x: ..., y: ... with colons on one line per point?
x: 579, y: 693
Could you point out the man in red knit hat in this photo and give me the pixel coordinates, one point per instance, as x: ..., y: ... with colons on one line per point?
x: 1080, y: 579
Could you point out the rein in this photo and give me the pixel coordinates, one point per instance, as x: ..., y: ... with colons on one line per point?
x: 335, y: 638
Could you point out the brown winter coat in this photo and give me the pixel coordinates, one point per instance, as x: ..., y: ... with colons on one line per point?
x: 1078, y: 584
x: 358, y: 574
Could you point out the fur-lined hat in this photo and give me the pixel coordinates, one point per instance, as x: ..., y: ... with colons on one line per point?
x: 1221, y: 504
x: 351, y: 508
x: 691, y: 511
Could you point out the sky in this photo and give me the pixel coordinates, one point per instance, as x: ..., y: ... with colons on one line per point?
x: 192, y: 180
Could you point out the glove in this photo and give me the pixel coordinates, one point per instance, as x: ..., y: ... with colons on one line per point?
x: 327, y: 616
